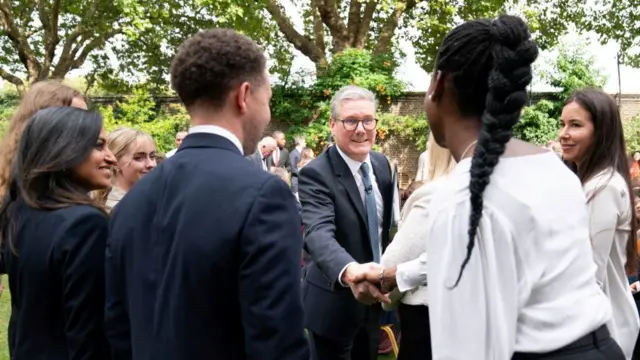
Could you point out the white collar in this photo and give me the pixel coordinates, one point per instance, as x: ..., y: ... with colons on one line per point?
x: 353, y: 165
x: 218, y: 130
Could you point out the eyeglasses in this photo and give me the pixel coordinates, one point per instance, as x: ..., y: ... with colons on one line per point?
x: 351, y: 123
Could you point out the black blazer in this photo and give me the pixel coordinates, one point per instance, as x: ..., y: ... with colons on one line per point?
x: 283, y: 161
x: 203, y: 261
x: 335, y: 235
x: 256, y: 159
x: 294, y: 159
x: 57, y: 284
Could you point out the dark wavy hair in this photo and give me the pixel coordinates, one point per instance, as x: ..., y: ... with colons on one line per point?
x: 54, y: 141
x: 608, y: 150
x: 489, y: 65
x: 208, y: 65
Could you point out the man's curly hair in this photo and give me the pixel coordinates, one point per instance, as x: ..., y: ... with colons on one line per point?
x: 208, y: 65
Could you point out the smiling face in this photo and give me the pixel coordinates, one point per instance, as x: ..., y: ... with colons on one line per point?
x: 355, y: 143
x: 138, y: 161
x: 95, y: 172
x: 576, y: 132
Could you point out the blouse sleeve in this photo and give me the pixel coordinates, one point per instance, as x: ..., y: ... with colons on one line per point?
x: 604, y: 210
x: 477, y: 318
x: 407, y: 251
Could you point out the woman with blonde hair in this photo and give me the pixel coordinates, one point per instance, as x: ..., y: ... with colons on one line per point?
x: 41, y: 95
x: 406, y: 247
x: 306, y: 155
x: 135, y: 153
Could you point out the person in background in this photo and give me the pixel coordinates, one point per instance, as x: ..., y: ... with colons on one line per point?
x: 634, y: 166
x: 280, y: 155
x: 262, y: 156
x: 179, y: 138
x: 407, y: 245
x: 423, y: 164
x: 135, y: 153
x: 294, y: 159
x: 41, y: 95
x: 305, y: 157
x: 284, y: 176
x: 592, y: 140
x: 160, y: 157
x: 203, y: 258
x: 54, y: 237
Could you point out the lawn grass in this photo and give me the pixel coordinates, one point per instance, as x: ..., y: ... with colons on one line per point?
x: 5, y: 311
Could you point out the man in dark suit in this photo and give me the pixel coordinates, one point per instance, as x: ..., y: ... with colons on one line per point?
x: 294, y: 159
x: 346, y: 210
x: 203, y: 259
x: 280, y: 155
x: 262, y: 157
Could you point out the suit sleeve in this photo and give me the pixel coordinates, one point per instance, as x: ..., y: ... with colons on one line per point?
x: 116, y: 315
x: 293, y: 160
x: 318, y: 217
x: 270, y: 277
x: 81, y: 254
x: 287, y: 162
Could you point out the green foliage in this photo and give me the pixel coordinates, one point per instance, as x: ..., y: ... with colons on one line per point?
x: 632, y: 133
x: 572, y: 70
x: 305, y: 109
x: 139, y: 111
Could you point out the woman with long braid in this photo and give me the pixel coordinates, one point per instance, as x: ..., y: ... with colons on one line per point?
x: 510, y: 268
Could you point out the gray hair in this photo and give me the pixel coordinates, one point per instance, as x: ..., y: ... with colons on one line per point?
x: 299, y: 140
x: 267, y: 140
x: 350, y: 92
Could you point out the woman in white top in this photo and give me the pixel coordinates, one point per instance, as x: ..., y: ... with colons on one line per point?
x: 407, y: 245
x: 510, y: 269
x: 135, y: 152
x: 592, y: 141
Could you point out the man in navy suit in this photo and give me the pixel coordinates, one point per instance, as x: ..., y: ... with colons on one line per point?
x: 346, y: 197
x: 203, y: 258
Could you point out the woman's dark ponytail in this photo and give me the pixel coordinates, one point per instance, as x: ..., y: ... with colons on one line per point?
x: 512, y: 52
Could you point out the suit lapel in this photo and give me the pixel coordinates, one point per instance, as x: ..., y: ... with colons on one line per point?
x: 343, y: 173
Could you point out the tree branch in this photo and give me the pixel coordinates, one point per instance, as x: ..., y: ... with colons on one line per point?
x: 331, y: 18
x: 318, y: 26
x: 12, y: 79
x: 20, y: 43
x: 51, y: 38
x: 71, y: 62
x: 363, y: 29
x: 299, y: 41
x: 353, y: 24
x: 389, y: 28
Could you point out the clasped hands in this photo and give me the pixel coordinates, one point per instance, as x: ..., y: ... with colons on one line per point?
x: 364, y: 281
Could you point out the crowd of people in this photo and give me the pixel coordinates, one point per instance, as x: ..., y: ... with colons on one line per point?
x: 504, y: 249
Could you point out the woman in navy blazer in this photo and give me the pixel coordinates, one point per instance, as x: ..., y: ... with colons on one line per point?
x: 53, y: 238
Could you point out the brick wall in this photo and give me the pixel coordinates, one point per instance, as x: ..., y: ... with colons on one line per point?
x: 403, y: 150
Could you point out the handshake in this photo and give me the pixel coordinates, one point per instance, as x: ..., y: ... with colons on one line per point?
x: 370, y: 283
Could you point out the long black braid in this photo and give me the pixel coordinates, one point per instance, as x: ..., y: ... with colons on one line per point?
x: 489, y: 63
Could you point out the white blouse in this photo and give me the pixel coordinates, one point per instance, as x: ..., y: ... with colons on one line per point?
x: 407, y: 250
x: 610, y: 223
x: 530, y: 284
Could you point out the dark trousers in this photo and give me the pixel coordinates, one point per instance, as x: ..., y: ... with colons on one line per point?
x: 415, y: 338
x: 364, y: 346
x: 599, y: 345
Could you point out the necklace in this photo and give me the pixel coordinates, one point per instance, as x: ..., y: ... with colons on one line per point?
x: 467, y: 149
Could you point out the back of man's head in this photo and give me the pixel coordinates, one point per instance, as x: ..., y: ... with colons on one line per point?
x: 224, y: 71
x: 211, y: 63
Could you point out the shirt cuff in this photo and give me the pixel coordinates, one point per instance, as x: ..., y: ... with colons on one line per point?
x: 411, y: 274
x: 342, y: 272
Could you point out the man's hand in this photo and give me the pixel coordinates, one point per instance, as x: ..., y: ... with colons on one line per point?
x: 363, y: 291
x: 372, y: 275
